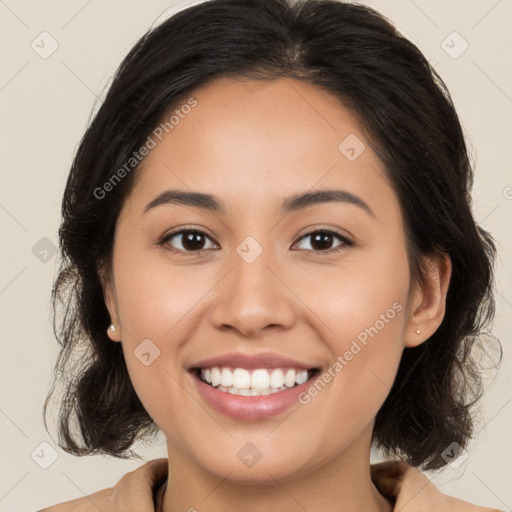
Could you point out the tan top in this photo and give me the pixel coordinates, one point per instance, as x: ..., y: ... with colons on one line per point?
x: 141, y: 490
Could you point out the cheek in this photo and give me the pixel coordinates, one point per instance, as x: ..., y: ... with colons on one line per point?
x: 155, y: 295
x: 356, y: 293
x: 364, y: 309
x: 155, y: 301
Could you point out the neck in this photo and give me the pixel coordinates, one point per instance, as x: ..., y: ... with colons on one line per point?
x: 341, y: 483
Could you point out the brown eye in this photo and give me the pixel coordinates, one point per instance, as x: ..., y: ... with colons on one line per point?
x: 322, y: 240
x: 192, y: 240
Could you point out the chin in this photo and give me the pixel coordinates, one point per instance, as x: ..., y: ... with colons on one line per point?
x: 256, y: 460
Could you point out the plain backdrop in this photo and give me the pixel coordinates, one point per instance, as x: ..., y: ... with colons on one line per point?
x: 46, y: 101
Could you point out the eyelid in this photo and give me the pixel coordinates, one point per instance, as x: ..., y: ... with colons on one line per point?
x: 347, y: 240
x: 322, y: 228
x: 180, y: 231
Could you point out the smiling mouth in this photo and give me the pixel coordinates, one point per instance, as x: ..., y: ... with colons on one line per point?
x: 254, y: 382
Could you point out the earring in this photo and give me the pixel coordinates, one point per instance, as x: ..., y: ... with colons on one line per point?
x: 112, y: 327
x: 418, y: 331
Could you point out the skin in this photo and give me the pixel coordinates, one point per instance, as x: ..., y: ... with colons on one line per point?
x: 251, y: 144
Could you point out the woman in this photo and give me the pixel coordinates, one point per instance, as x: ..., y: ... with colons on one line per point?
x: 270, y: 256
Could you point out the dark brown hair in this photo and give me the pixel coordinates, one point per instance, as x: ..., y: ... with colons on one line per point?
x: 355, y: 54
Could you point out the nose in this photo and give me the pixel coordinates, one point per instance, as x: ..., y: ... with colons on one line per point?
x: 254, y: 298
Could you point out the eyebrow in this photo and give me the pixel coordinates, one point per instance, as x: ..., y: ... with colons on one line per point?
x: 290, y: 204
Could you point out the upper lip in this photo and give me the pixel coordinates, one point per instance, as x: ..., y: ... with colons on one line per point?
x: 241, y: 360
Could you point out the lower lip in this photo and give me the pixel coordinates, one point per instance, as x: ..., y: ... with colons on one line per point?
x: 251, y: 408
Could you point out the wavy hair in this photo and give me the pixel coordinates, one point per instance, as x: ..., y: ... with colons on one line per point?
x: 354, y: 53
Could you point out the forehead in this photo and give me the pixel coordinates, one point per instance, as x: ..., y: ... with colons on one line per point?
x: 249, y: 141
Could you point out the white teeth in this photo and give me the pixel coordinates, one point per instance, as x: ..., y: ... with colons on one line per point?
x: 289, y: 380
x: 277, y: 378
x: 226, y: 377
x: 261, y: 381
x: 241, y: 378
x: 215, y: 376
x: 301, y: 377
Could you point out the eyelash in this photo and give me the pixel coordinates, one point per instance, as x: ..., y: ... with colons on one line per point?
x: 346, y: 242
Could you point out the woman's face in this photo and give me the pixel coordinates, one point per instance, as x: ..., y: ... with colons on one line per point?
x: 261, y: 285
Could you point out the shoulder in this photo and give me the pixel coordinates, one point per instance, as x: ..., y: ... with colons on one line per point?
x: 412, y: 490
x: 134, y: 491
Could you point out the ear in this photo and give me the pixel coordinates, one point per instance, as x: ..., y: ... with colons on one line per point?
x: 109, y: 295
x: 428, y: 302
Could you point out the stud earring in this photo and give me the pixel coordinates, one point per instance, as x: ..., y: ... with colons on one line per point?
x: 112, y: 327
x: 418, y: 331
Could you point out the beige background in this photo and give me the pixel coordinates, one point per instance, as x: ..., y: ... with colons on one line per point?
x: 46, y: 104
